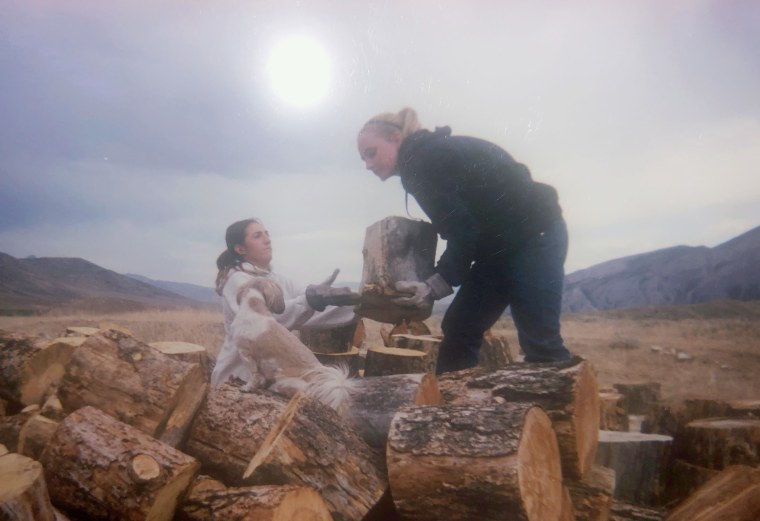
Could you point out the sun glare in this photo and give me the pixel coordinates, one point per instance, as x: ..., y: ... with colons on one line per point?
x: 299, y: 71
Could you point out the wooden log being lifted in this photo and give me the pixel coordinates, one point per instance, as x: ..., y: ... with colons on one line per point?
x: 23, y: 491
x: 395, y: 249
x: 97, y: 467
x: 475, y: 462
x: 567, y: 391
x: 312, y: 446
x: 135, y: 384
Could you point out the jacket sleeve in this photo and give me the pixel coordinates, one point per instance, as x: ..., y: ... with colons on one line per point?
x: 297, y: 311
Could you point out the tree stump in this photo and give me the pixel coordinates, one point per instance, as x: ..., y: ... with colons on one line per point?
x: 352, y: 360
x: 733, y: 495
x: 612, y: 416
x: 135, y: 384
x: 23, y: 491
x: 29, y: 367
x: 567, y: 391
x: 592, y: 495
x: 474, y: 462
x: 639, y: 461
x: 184, y: 352
x: 638, y: 398
x: 428, y: 344
x: 376, y: 400
x: 209, y: 500
x: 395, y: 249
x: 716, y: 443
x: 384, y: 361
x: 100, y: 468
x: 311, y: 446
x: 230, y: 428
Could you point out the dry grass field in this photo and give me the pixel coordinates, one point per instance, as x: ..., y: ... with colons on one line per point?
x: 719, y: 343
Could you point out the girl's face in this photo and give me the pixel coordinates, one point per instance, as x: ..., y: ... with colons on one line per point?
x: 256, y: 247
x: 379, y: 152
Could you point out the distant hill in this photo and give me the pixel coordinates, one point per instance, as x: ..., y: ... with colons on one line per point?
x: 670, y: 276
x: 37, y: 283
x: 193, y: 291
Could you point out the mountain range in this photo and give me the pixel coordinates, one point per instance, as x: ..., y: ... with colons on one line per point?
x: 669, y: 276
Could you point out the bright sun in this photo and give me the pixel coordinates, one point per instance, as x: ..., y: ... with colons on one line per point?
x: 299, y: 71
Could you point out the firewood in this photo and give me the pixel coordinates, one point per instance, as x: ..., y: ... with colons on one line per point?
x: 10, y: 428
x: 30, y: 366
x: 494, y: 352
x: 733, y: 495
x: 639, y: 461
x: 35, y: 435
x: 123, y: 473
x: 395, y: 249
x: 384, y: 361
x: 622, y: 511
x: 338, y: 339
x: 229, y: 429
x: 185, y: 352
x: 567, y: 391
x: 376, y: 400
x: 134, y: 383
x: 23, y: 491
x: 716, y: 443
x: 475, y: 462
x: 592, y: 495
x: 312, y: 446
x: 408, y: 327
x: 612, y: 416
x: 209, y: 500
x: 427, y: 344
x: 352, y: 360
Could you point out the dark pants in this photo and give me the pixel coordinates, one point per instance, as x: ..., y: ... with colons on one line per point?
x: 530, y: 282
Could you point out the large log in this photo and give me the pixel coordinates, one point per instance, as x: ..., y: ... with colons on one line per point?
x: 639, y: 461
x: 427, y: 344
x: 567, y: 391
x: 100, y: 468
x: 622, y: 511
x: 733, y: 495
x: 716, y: 443
x: 395, y: 249
x: 185, y: 352
x: 375, y: 401
x: 30, y: 366
x: 475, y: 462
x: 210, y: 500
x: 23, y: 491
x: 592, y: 495
x: 312, y: 446
x: 134, y: 383
x: 384, y: 361
x: 230, y: 428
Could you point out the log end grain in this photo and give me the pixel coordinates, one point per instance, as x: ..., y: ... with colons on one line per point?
x: 23, y: 493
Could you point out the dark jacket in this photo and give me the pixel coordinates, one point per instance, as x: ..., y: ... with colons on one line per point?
x: 480, y: 200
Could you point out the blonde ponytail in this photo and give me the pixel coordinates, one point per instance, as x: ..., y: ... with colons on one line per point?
x: 404, y: 121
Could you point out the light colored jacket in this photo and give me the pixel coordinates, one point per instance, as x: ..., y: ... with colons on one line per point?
x: 297, y: 314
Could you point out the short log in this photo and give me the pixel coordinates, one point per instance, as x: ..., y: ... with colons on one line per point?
x: 475, y: 462
x: 638, y: 398
x: 135, y: 384
x: 230, y: 428
x: 209, y: 500
x: 622, y: 511
x: 734, y: 494
x: 312, y: 446
x: 352, y: 360
x: 338, y: 339
x: 23, y: 491
x: 612, y: 416
x: 35, y: 435
x: 494, y: 352
x: 717, y: 443
x: 100, y: 468
x: 639, y: 461
x: 184, y: 352
x: 395, y: 249
x: 384, y: 361
x: 592, y: 495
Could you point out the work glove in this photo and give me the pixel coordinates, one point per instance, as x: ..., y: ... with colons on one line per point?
x: 319, y: 296
x: 422, y: 294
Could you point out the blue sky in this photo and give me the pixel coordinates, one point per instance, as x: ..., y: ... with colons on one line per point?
x: 134, y: 132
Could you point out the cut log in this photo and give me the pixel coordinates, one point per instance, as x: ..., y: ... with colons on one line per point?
x: 494, y: 352
x: 376, y: 400
x: 115, y: 327
x: 384, y: 361
x: 81, y: 331
x: 10, y: 428
x: 474, y: 462
x: 734, y: 494
x: 427, y: 344
x: 639, y: 461
x: 612, y: 416
x: 184, y: 352
x: 135, y: 384
x: 567, y: 391
x: 210, y: 500
x: 395, y: 249
x: 230, y: 428
x: 352, y: 360
x: 29, y: 367
x: 23, y: 491
x: 53, y: 408
x: 638, y: 398
x: 35, y: 434
x: 311, y: 446
x: 683, y: 479
x: 100, y: 468
x: 338, y: 339
x: 592, y: 495
x: 716, y: 443
x: 622, y: 511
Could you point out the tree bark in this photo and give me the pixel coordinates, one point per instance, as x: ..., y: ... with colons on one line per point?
x: 716, y: 443
x: 494, y: 352
x: 567, y: 391
x: 312, y: 446
x: 211, y: 500
x: 475, y: 462
x: 395, y: 249
x: 135, y: 384
x: 229, y: 429
x: 384, y: 361
x: 592, y: 495
x: 23, y: 491
x: 100, y: 468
